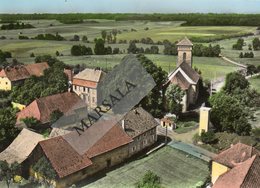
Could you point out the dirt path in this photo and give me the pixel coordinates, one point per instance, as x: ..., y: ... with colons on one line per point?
x: 233, y: 62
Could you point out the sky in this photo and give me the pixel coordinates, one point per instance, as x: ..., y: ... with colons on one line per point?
x: 129, y: 6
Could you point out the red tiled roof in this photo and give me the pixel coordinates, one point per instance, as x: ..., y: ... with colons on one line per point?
x: 235, y: 154
x: 64, y: 159
x: 37, y: 69
x: 69, y: 74
x: 243, y: 175
x: 42, y: 108
x: 114, y: 138
x: 22, y: 72
x: 85, y: 83
x: 58, y: 148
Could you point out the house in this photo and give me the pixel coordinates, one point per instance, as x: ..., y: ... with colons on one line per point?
x: 135, y: 132
x: 20, y: 149
x: 11, y: 76
x: 168, y: 123
x: 42, y: 108
x: 184, y: 75
x: 236, y: 167
x: 84, y: 84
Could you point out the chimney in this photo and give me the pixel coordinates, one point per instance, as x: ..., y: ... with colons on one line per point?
x: 123, y: 124
x: 204, y: 119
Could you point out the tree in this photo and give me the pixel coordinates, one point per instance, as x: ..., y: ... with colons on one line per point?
x: 76, y: 38
x: 100, y: 47
x: 249, y: 46
x: 256, y: 44
x: 251, y: 69
x: 114, y: 33
x: 31, y: 122
x: 104, y: 35
x: 241, y: 55
x: 228, y: 114
x: 149, y: 180
x: 43, y: 166
x: 57, y: 53
x: 7, y: 172
x: 8, y: 131
x: 46, y: 58
x: 154, y: 49
x: 235, y: 80
x: 153, y: 102
x: 174, y: 95
x: 116, y: 51
x: 85, y: 38
x: 55, y: 115
x: 132, y: 48
x: 32, y: 55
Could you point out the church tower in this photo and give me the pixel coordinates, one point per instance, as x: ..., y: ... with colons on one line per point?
x: 184, y: 48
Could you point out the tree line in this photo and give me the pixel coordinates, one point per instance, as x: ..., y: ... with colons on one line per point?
x: 191, y: 19
x: 16, y: 25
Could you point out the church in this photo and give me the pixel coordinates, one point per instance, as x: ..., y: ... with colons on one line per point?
x: 184, y: 75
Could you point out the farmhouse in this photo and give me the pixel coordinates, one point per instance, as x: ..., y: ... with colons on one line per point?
x: 43, y: 108
x: 184, y: 75
x: 11, y: 76
x: 84, y: 84
x: 20, y: 149
x: 135, y: 132
x: 236, y: 167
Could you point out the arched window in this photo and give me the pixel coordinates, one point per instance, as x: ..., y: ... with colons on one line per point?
x: 184, y: 57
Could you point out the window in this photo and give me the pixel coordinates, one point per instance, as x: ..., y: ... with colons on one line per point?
x: 145, y: 142
x: 108, y: 163
x: 84, y: 89
x: 184, y: 57
x: 133, y: 149
x: 6, y: 83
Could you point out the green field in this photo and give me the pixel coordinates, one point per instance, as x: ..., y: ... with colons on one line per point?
x: 211, y: 68
x: 255, y: 83
x: 175, y: 168
x: 234, y: 54
x: 167, y: 31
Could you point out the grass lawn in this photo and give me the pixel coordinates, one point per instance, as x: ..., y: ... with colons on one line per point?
x: 255, y: 83
x: 175, y: 168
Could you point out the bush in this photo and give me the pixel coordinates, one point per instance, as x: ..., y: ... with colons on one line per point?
x: 21, y: 37
x: 79, y: 50
x: 150, y: 180
x: 208, y: 137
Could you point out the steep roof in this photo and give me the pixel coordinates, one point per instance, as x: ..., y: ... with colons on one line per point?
x: 190, y: 72
x: 64, y: 159
x: 93, y: 75
x: 22, y: 72
x: 180, y: 80
x: 183, y: 76
x: 42, y: 108
x: 21, y: 147
x: 58, y: 148
x: 185, y: 42
x: 138, y: 121
x: 101, y: 139
x: 37, y: 69
x: 236, y: 154
x: 243, y: 175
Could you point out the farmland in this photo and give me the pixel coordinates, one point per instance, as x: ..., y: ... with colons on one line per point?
x: 175, y: 168
x: 234, y: 54
x: 158, y: 31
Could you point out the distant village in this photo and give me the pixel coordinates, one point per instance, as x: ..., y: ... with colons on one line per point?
x: 47, y: 90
